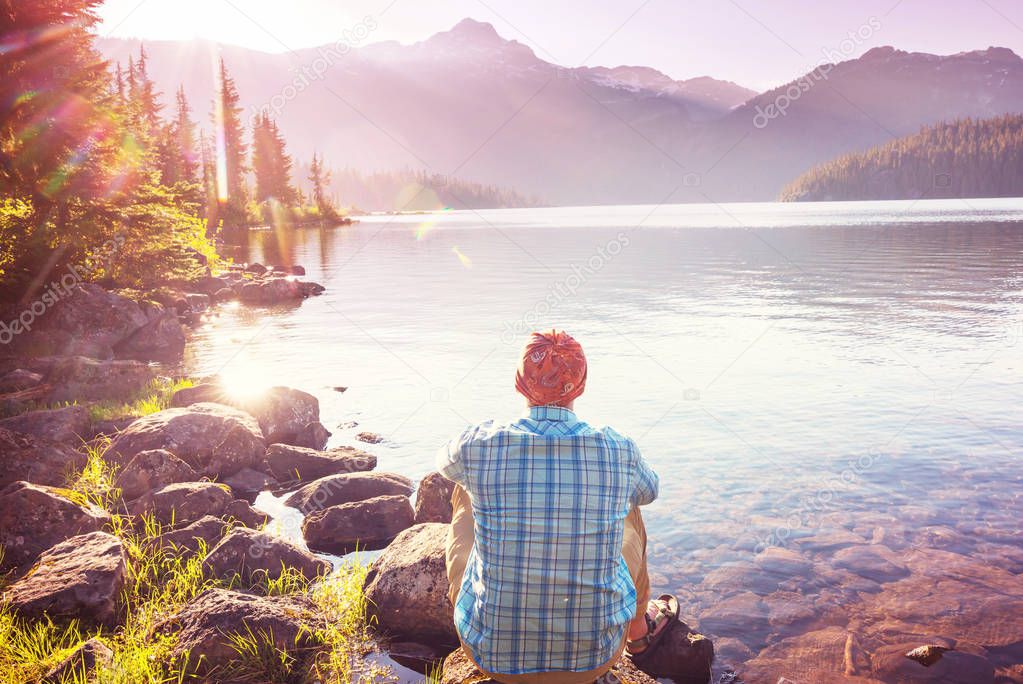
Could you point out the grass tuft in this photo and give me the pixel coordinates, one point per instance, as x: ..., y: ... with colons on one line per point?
x: 153, y: 398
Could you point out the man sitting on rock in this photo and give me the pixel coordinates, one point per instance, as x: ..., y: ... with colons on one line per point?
x: 546, y: 553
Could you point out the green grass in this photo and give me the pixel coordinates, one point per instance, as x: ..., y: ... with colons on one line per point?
x: 162, y: 580
x: 153, y: 398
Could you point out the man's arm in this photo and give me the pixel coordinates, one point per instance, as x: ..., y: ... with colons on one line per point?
x: 450, y: 461
x: 647, y: 482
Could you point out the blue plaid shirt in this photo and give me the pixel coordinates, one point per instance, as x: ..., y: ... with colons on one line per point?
x: 546, y: 587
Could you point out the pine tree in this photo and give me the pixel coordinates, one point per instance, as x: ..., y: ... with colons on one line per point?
x: 227, y: 117
x: 180, y: 164
x: 320, y: 178
x: 271, y: 162
x: 148, y: 97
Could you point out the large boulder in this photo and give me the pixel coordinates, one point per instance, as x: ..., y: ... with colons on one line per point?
x: 433, y: 499
x: 81, y: 577
x: 214, y: 439
x: 290, y: 463
x: 19, y: 379
x: 248, y: 483
x: 407, y: 587
x: 23, y: 457
x: 206, y: 531
x: 67, y: 425
x: 183, y: 502
x: 241, y: 512
x: 369, y: 524
x: 282, y: 412
x: 87, y: 321
x: 152, y: 469
x: 34, y: 518
x: 161, y: 339
x: 259, y: 555
x: 312, y: 436
x: 346, y: 488
x: 205, y: 627
x: 459, y: 669
x: 274, y: 290
x: 77, y: 378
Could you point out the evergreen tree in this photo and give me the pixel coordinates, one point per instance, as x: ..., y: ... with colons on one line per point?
x: 180, y: 162
x: 271, y: 162
x: 319, y: 176
x: 77, y: 177
x: 227, y: 124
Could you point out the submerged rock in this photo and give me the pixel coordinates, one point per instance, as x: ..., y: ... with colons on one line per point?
x: 288, y: 463
x: 34, y: 518
x: 81, y: 577
x: 872, y: 561
x: 433, y: 499
x: 214, y: 439
x: 368, y: 525
x: 407, y: 587
x: 254, y: 555
x: 927, y: 655
x: 345, y: 488
x: 23, y: 457
x: 931, y: 664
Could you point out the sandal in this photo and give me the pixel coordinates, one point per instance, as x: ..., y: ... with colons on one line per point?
x: 666, y: 606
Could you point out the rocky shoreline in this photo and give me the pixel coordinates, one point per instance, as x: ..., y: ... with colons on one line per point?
x: 143, y: 526
x: 84, y: 502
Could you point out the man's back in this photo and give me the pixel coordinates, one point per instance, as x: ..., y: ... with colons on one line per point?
x: 546, y: 587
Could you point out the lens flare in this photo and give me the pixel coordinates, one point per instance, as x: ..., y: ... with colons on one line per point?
x: 429, y: 224
x: 466, y: 261
x: 218, y: 134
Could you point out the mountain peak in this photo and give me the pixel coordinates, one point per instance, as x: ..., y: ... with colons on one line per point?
x: 474, y: 29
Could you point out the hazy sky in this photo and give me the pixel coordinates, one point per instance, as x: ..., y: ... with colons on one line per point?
x: 758, y: 43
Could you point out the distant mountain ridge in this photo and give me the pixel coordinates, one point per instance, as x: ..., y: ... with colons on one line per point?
x: 471, y: 104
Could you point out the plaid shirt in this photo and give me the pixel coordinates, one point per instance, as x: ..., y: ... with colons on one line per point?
x: 546, y: 587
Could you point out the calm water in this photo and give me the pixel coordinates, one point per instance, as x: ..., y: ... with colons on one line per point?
x: 790, y: 370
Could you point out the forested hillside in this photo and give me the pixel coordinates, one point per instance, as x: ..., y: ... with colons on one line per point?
x: 964, y: 158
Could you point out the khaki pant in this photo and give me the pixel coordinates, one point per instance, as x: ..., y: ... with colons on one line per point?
x: 461, y: 536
